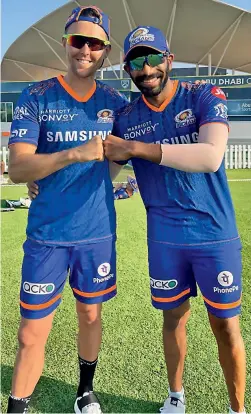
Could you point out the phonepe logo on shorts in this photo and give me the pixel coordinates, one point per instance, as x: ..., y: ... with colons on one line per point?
x: 38, y: 288
x: 139, y: 130
x: 226, y: 279
x: 163, y: 284
x: 58, y: 115
x: 104, y: 273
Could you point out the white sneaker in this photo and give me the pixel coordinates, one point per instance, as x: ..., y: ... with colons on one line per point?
x: 26, y: 202
x: 173, y: 405
x: 231, y: 411
x: 88, y: 404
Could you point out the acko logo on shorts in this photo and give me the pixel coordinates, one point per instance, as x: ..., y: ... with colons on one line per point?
x: 163, y: 284
x: 38, y: 288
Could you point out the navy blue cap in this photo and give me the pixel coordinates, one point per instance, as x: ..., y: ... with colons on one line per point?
x: 103, y: 20
x: 146, y: 36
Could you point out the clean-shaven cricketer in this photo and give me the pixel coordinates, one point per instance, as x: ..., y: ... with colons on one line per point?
x: 175, y: 133
x: 56, y: 140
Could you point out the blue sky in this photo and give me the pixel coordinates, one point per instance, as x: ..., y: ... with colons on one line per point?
x: 17, y: 16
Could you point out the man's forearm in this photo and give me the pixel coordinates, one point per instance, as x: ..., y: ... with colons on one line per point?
x: 185, y: 157
x: 31, y: 167
x: 26, y: 166
x: 201, y: 157
x: 150, y: 152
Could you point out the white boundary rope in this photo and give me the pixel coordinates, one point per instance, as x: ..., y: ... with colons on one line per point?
x: 241, y: 179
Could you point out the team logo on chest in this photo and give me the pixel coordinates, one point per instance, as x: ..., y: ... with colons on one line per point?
x: 105, y: 116
x: 185, y: 118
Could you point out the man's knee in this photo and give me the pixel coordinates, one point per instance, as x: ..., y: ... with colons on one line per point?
x: 34, y: 332
x: 89, y: 314
x: 29, y: 336
x: 226, y: 330
x: 177, y: 317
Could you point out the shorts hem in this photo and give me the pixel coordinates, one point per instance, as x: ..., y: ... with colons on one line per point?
x: 96, y: 300
x: 39, y: 314
x: 172, y: 305
x: 224, y: 313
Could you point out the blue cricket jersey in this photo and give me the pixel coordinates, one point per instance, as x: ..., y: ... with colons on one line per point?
x: 75, y: 204
x: 182, y: 208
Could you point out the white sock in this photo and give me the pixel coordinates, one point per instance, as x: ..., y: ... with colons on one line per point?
x: 234, y: 412
x: 178, y: 394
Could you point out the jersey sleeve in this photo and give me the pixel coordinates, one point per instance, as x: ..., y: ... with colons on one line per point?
x: 25, y: 125
x: 212, y: 106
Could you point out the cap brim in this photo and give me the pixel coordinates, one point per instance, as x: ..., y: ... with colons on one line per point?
x: 142, y: 45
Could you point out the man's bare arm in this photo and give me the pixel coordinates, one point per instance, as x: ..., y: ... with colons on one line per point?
x: 26, y: 166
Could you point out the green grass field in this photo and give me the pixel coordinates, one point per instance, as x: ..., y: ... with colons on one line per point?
x: 131, y: 374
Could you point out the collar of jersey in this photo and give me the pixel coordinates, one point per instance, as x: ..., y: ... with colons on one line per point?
x: 73, y: 93
x: 166, y: 102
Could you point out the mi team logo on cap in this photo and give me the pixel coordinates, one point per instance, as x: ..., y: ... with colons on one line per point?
x: 141, y: 35
x: 105, y: 116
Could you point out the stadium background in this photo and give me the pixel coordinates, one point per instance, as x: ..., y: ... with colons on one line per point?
x: 236, y: 88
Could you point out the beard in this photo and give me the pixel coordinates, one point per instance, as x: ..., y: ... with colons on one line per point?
x: 149, y: 91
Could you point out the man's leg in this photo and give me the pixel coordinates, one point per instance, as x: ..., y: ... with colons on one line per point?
x: 44, y: 272
x: 89, y: 341
x: 232, y: 357
x: 32, y: 337
x: 171, y: 294
x: 175, y: 343
x: 218, y: 274
x: 93, y: 281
